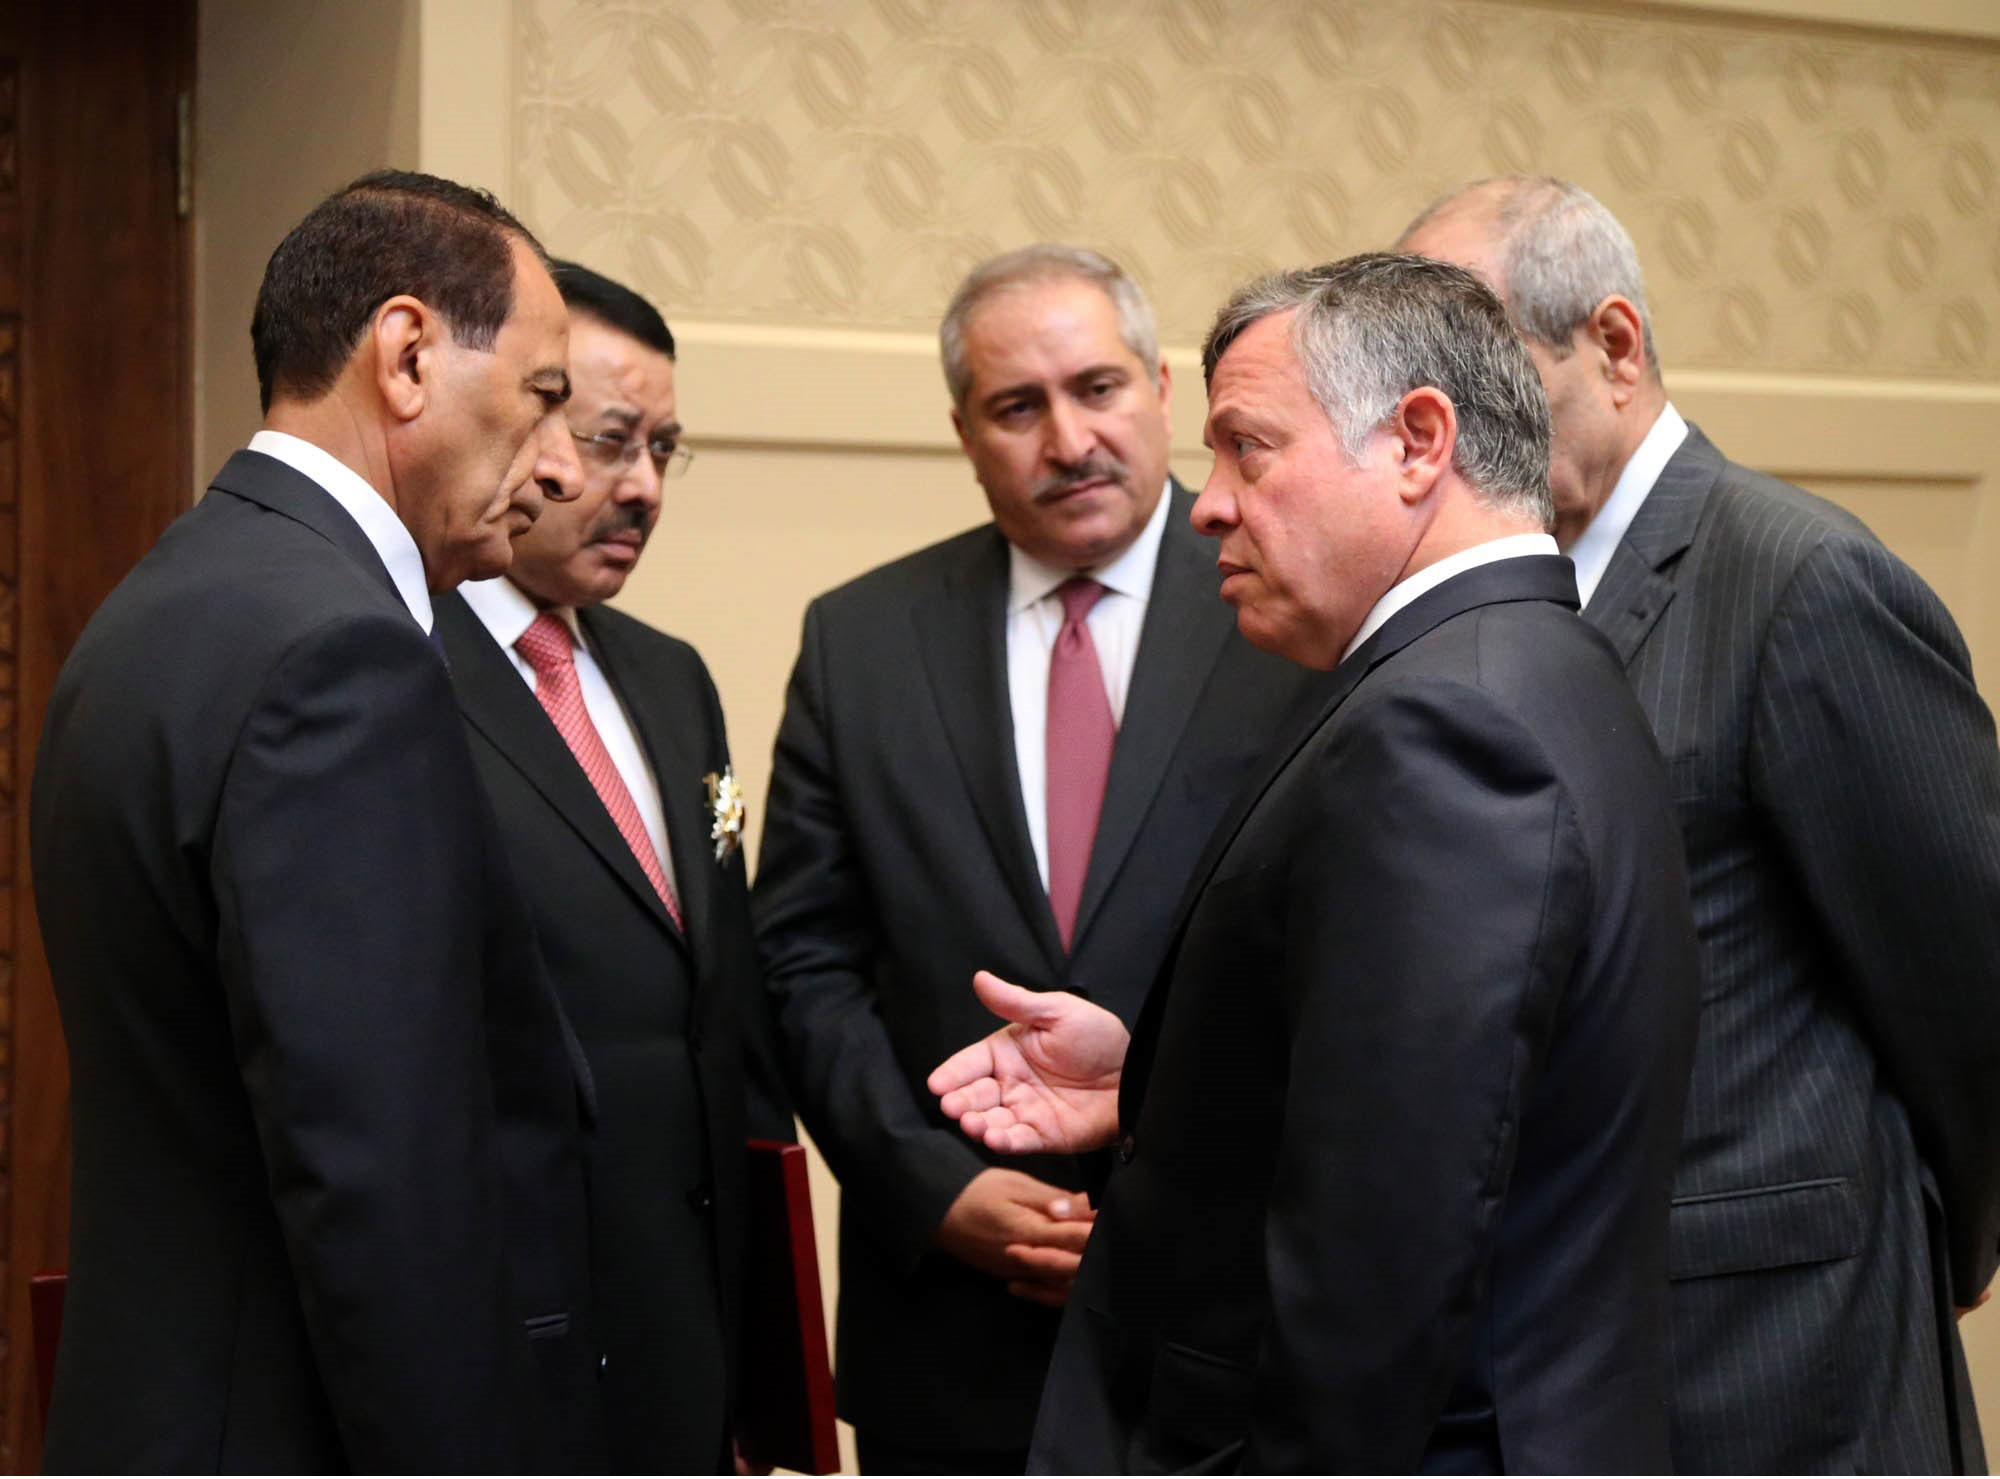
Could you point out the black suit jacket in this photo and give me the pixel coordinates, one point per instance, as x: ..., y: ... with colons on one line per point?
x: 1401, y: 1113
x: 1838, y: 786
x: 663, y: 1015
x: 328, y: 1208
x: 896, y: 862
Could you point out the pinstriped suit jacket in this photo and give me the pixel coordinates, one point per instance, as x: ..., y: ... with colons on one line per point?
x: 1838, y: 786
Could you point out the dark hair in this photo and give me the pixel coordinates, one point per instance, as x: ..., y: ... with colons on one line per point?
x: 1370, y: 329
x: 612, y: 304
x: 390, y: 232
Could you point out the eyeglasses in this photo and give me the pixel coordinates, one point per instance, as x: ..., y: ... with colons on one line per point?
x: 617, y: 450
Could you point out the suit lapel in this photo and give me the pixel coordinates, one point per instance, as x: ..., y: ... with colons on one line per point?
x: 961, y: 630
x: 667, y: 735
x: 1530, y: 578
x: 1187, y: 624
x: 1639, y: 583
x: 496, y: 702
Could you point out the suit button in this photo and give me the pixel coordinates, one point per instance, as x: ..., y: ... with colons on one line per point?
x: 702, y: 1198
x: 1127, y: 1148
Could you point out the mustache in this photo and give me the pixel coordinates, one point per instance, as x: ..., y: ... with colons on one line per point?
x: 619, y: 518
x: 1092, y: 469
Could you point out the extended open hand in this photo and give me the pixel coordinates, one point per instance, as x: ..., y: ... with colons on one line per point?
x: 1048, y: 1081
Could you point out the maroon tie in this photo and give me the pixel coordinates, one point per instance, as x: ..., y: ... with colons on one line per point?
x: 1080, y: 736
x: 547, y: 647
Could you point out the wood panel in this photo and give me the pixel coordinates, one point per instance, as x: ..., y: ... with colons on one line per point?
x: 94, y: 431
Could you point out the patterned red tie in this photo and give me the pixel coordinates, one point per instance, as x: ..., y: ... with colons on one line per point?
x: 1080, y: 735
x: 547, y: 646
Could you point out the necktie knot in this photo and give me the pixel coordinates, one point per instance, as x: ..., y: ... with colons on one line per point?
x: 546, y: 645
x: 1078, y: 595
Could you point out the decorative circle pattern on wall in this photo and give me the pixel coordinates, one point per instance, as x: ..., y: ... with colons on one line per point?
x: 1804, y: 198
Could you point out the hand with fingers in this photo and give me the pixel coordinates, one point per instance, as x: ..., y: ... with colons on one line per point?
x: 1019, y: 1229
x: 1046, y: 1082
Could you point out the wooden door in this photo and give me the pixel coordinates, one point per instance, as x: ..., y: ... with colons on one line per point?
x: 95, y: 426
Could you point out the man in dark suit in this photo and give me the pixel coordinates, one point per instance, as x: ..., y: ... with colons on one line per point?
x: 1400, y: 1115
x: 614, y: 795
x: 966, y: 776
x: 1838, y: 787
x: 328, y: 1208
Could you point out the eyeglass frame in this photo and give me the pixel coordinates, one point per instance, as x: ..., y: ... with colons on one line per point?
x: 617, y: 449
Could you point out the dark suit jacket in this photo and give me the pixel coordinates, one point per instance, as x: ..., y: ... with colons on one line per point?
x: 1839, y: 790
x: 896, y: 861
x: 1401, y: 1114
x: 328, y: 1207
x: 660, y: 1014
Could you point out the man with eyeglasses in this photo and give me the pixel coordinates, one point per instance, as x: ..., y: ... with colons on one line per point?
x: 601, y: 744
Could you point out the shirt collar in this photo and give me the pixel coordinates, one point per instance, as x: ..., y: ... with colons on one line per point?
x: 379, y: 522
x: 1130, y: 574
x: 505, y: 610
x: 1403, y: 592
x: 1591, y: 553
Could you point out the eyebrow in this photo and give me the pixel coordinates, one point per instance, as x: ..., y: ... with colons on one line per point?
x: 1039, y: 387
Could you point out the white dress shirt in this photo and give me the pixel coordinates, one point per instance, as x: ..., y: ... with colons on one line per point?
x: 1592, y: 551
x: 1035, y: 617
x: 1406, y: 590
x: 507, y: 613
x: 366, y: 507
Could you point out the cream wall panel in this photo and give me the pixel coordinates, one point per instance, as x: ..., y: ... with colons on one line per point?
x: 292, y: 101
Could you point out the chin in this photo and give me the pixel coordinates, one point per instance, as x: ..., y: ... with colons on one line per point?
x: 487, y: 563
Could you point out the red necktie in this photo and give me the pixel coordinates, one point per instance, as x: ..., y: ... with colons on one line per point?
x: 547, y: 647
x: 1080, y: 735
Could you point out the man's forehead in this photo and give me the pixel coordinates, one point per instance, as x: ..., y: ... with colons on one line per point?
x: 606, y: 350
x: 1038, y: 305
x: 1258, y: 359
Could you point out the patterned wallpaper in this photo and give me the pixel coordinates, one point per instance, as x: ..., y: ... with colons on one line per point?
x: 1804, y: 197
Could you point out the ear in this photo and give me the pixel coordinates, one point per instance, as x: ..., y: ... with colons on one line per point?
x: 1167, y: 398
x: 1426, y: 423
x: 958, y: 425
x: 403, y: 335
x: 1616, y: 331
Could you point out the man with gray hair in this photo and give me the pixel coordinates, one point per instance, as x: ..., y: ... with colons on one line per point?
x: 1395, y: 1134
x: 1006, y: 750
x: 1838, y: 787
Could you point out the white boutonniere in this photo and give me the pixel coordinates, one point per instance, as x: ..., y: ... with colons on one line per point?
x: 725, y: 812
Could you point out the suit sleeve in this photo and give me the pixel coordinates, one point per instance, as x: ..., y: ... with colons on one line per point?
x: 818, y: 934
x: 347, y: 871
x: 1875, y: 761
x: 1427, y: 935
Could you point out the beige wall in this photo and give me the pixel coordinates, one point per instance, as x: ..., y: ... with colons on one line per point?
x: 291, y: 102
x: 1814, y: 186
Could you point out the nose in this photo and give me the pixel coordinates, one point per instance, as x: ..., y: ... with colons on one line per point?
x: 557, y: 467
x: 640, y: 482
x: 1214, y: 511
x: 1069, y: 435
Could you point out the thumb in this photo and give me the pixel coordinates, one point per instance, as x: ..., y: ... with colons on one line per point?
x: 1007, y: 1001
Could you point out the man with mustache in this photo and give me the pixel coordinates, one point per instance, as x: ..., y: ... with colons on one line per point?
x: 1007, y: 747
x: 601, y: 743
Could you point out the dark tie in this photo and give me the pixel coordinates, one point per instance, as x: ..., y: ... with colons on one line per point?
x: 547, y: 646
x: 1080, y: 735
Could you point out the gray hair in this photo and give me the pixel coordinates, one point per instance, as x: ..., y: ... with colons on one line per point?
x: 1044, y: 262
x: 1371, y: 329
x: 1561, y: 253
